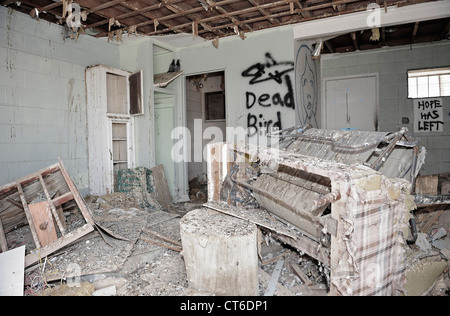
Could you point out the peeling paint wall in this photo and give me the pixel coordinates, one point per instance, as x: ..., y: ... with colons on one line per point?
x: 43, y: 96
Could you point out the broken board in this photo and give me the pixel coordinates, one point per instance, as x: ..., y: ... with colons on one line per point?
x: 161, y: 186
x: 12, y: 271
x: 162, y: 80
x: 43, y: 222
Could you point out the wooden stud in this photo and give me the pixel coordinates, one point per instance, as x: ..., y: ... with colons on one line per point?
x: 52, y: 206
x: 3, y: 242
x: 28, y: 215
x: 76, y: 194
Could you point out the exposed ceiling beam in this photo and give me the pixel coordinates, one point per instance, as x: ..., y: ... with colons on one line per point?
x: 304, y: 13
x: 414, y: 33
x: 347, y: 23
x: 229, y: 16
x: 134, y: 13
x: 167, y: 17
x: 147, y: 15
x: 253, y: 9
x: 264, y: 12
x: 355, y: 42
x: 193, y: 17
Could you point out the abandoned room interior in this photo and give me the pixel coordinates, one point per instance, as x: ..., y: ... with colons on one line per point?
x: 224, y: 148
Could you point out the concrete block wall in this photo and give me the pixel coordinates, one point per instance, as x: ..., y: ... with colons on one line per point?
x: 43, y: 96
x: 392, y: 65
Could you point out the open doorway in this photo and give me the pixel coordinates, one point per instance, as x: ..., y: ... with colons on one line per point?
x: 206, y: 121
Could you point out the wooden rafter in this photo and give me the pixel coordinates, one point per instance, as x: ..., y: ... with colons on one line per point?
x: 355, y: 42
x: 209, y: 18
x: 193, y: 16
x: 167, y: 17
x: 147, y: 15
x: 264, y: 12
x: 414, y: 32
x: 135, y: 13
x: 256, y: 8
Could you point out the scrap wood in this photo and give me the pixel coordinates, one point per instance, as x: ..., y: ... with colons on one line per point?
x: 152, y: 232
x: 301, y: 274
x: 258, y: 216
x: 434, y: 218
x: 280, y: 289
x: 153, y: 242
x: 70, y: 237
x: 276, y: 258
x: 274, y: 279
x: 164, y: 220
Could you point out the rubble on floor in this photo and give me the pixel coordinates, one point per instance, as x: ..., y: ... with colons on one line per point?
x: 136, y: 250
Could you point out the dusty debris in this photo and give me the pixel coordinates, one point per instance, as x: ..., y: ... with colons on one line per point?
x: 84, y: 289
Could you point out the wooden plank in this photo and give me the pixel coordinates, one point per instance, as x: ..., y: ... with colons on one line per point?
x: 43, y: 222
x: 60, y: 200
x: 76, y: 195
x: 274, y: 279
x: 161, y: 187
x: 162, y: 80
x: 258, y: 216
x: 154, y: 242
x: 427, y: 184
x: 445, y: 188
x: 52, y: 207
x: 280, y: 289
x: 301, y: 274
x: 12, y: 272
x: 28, y: 215
x: 29, y: 178
x: 70, y: 237
x: 60, y: 212
x: 3, y: 242
x: 154, y: 233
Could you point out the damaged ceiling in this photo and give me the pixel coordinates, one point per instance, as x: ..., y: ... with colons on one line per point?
x: 213, y: 19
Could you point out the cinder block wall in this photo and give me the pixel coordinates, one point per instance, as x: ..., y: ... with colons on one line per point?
x: 392, y: 65
x: 43, y: 96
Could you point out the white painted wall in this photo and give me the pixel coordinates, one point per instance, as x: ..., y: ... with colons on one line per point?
x: 391, y: 65
x: 43, y: 96
x: 235, y: 56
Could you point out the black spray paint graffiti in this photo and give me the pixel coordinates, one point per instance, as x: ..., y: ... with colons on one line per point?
x: 306, y: 86
x: 271, y: 69
x: 263, y: 72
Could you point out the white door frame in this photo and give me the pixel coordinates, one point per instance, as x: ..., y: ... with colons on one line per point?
x: 324, y: 93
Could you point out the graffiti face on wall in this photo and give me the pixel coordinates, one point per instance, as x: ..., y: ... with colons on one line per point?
x: 306, y: 87
x: 271, y: 94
